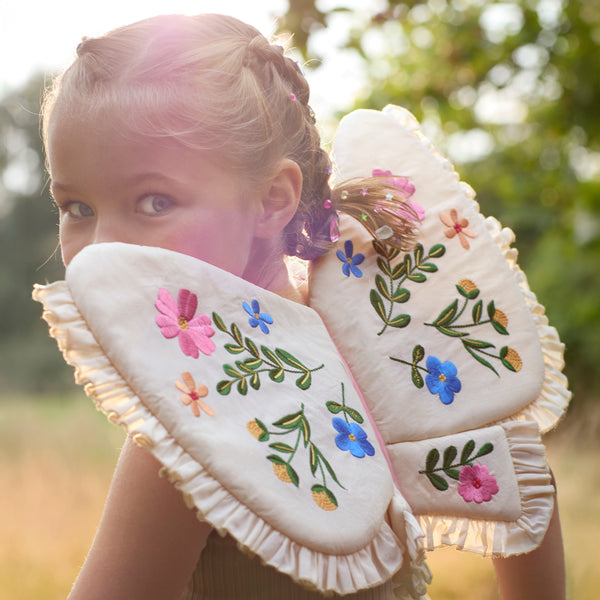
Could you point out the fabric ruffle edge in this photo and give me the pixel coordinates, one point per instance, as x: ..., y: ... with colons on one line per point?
x: 550, y: 406
x: 368, y: 567
x: 504, y: 538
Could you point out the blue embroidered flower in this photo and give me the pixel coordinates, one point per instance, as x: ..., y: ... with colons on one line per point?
x: 352, y: 437
x: 442, y: 379
x: 258, y: 319
x: 350, y: 260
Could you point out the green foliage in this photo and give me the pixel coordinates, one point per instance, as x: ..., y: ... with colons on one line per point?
x: 521, y: 77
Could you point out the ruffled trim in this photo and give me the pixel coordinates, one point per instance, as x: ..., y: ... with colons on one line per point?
x: 550, y: 406
x: 504, y: 538
x: 368, y: 567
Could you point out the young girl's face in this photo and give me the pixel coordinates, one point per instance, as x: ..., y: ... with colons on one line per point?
x: 111, y: 187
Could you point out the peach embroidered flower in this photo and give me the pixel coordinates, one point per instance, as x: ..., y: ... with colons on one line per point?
x: 457, y: 227
x: 192, y: 394
x: 180, y: 320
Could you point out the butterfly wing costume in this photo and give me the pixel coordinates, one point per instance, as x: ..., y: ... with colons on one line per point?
x: 400, y: 411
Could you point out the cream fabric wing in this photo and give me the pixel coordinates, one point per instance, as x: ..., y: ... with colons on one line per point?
x: 447, y: 343
x: 246, y: 402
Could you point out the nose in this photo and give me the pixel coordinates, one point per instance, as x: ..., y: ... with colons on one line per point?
x: 109, y: 229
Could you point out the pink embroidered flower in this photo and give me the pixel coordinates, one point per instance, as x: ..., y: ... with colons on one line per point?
x: 408, y: 189
x: 192, y: 394
x: 476, y: 484
x: 457, y: 227
x: 178, y: 320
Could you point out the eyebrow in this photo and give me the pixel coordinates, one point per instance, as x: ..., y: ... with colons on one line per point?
x: 135, y: 179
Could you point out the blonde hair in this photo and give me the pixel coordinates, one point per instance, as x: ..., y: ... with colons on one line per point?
x: 216, y: 85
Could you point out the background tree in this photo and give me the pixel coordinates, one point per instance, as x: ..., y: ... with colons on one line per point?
x: 509, y: 90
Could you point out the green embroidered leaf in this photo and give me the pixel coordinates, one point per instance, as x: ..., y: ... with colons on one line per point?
x: 277, y: 374
x: 467, y: 451
x: 253, y: 363
x: 224, y: 387
x: 480, y: 359
x: 509, y: 365
x: 243, y: 366
x: 237, y: 334
x: 276, y: 459
x: 450, y: 332
x: 234, y: 348
x: 304, y: 381
x: 416, y: 377
x: 264, y: 436
x: 289, y: 359
x: 400, y: 296
x: 399, y: 321
x: 399, y: 271
x: 449, y: 455
x: 382, y: 287
x: 251, y: 346
x: 271, y: 356
x: 437, y: 251
x: 293, y: 476
x: 432, y: 459
x: 314, y: 460
x: 305, y: 427
x: 454, y: 473
x: 499, y: 327
x: 377, y: 304
x: 242, y: 386
x: 417, y: 277
x: 477, y: 310
x: 229, y: 370
x: 318, y: 489
x: 491, y: 309
x: 329, y: 469
x: 438, y: 481
x: 428, y: 268
x: 407, y: 263
x: 485, y: 449
x: 447, y: 315
x: 478, y: 344
x: 334, y: 407
x: 418, y: 253
x: 392, y: 252
x: 281, y: 447
x: 354, y: 415
x: 379, y: 248
x: 418, y: 354
x: 290, y: 421
x: 384, y: 266
x: 255, y: 381
x: 218, y: 322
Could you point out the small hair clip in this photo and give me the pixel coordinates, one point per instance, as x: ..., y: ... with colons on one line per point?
x: 292, y: 97
x: 389, y: 197
x: 327, y: 204
x: 364, y: 191
x: 385, y: 232
x: 344, y: 195
x: 334, y: 230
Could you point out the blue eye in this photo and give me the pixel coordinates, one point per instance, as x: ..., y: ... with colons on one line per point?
x: 153, y: 204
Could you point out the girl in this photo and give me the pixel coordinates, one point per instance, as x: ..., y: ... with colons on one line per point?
x: 194, y: 134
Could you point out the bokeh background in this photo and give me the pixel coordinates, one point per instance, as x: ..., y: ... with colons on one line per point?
x: 508, y: 90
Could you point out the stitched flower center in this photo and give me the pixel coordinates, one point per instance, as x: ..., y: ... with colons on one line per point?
x: 442, y: 377
x: 349, y: 260
x: 256, y: 316
x: 351, y: 437
x: 457, y: 227
x: 183, y: 324
x: 477, y: 483
x: 193, y: 395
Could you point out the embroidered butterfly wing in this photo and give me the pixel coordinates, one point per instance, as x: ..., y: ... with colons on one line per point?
x: 243, y: 398
x: 449, y: 346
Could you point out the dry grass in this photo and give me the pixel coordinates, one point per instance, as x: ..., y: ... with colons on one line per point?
x: 56, y: 461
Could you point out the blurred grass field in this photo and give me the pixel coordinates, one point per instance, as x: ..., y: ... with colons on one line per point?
x: 56, y: 462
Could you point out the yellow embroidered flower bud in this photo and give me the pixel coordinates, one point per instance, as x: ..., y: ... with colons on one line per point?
x: 281, y: 472
x: 322, y: 500
x: 468, y: 286
x: 500, y: 317
x: 254, y: 428
x: 513, y: 359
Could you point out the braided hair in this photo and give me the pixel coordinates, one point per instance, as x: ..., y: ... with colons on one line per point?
x: 217, y: 85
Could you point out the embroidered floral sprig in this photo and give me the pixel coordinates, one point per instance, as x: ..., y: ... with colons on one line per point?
x: 441, y: 376
x: 450, y: 466
x: 391, y: 278
x: 447, y: 323
x: 297, y: 423
x: 246, y: 373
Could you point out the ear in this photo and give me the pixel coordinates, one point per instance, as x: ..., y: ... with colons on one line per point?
x: 279, y: 199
